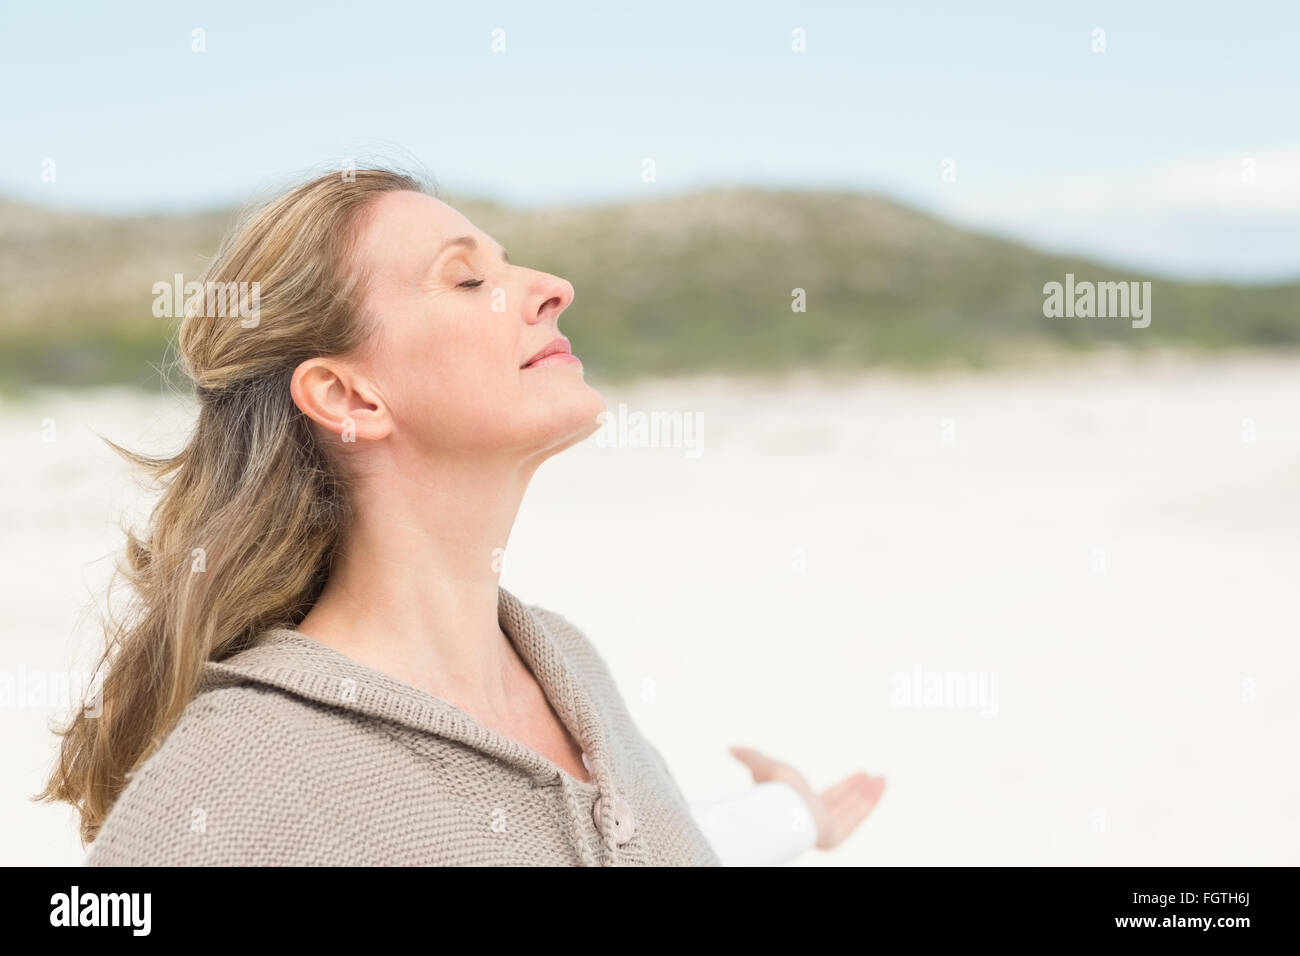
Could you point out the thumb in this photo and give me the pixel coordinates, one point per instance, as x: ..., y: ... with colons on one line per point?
x: 759, y: 764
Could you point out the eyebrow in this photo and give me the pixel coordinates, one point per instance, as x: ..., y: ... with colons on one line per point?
x: 469, y: 242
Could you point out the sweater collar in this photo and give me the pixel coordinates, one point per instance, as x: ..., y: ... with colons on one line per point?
x: 290, y: 660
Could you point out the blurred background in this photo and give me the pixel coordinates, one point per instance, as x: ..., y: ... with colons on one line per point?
x: 1035, y: 569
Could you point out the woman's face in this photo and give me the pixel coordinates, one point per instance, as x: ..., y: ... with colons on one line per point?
x: 455, y: 326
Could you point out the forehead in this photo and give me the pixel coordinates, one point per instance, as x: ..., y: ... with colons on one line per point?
x: 403, y: 230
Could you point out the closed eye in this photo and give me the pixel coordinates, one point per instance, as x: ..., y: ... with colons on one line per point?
x: 471, y: 283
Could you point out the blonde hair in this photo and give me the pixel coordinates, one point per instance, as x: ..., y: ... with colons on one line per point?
x: 252, y: 488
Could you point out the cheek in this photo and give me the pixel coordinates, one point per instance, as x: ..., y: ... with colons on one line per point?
x: 454, y: 385
x: 451, y: 381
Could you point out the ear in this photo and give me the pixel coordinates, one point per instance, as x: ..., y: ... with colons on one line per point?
x: 340, y: 400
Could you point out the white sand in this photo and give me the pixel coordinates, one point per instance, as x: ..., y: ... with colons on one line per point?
x: 1098, y: 546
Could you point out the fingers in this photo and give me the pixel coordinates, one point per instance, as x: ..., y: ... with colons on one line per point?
x: 765, y: 769
x: 847, y: 805
x: 746, y: 754
x: 760, y: 764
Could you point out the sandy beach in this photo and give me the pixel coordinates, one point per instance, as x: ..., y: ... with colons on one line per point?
x: 1053, y: 607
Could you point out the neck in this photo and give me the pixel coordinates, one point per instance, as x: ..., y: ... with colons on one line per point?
x: 414, y: 589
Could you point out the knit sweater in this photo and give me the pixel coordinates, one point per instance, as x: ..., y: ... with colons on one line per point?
x: 292, y: 753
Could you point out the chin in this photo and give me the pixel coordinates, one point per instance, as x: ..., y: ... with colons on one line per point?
x: 570, y: 415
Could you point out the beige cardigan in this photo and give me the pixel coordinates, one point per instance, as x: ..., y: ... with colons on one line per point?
x: 294, y: 754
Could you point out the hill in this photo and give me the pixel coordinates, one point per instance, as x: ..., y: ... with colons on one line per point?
x: 695, y: 282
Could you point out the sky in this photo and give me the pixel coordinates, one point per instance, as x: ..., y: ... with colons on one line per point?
x: 1174, y: 150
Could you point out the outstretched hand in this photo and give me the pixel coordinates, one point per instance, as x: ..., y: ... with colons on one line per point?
x: 837, y: 810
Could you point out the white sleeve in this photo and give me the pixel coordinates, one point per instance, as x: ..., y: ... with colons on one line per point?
x: 766, y: 825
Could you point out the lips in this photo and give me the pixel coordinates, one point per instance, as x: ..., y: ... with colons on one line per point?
x: 557, y: 346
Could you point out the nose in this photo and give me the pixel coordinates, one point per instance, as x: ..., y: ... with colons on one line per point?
x: 553, y: 296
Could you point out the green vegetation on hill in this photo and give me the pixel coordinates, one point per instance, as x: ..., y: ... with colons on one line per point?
x: 692, y: 283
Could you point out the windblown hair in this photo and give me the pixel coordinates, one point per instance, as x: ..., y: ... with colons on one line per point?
x: 252, y: 509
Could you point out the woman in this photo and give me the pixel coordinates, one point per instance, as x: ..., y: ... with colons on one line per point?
x: 321, y: 666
